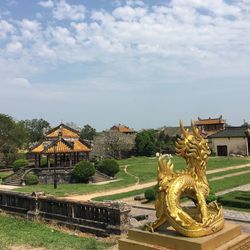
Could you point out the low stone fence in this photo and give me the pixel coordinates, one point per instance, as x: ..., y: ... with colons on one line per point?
x: 98, y: 218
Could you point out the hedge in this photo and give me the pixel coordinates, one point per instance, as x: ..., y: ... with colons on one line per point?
x: 237, y: 199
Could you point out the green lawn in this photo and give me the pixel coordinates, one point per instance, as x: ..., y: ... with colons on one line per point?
x: 144, y: 167
x: 232, y: 171
x: 219, y: 185
x: 4, y: 174
x: 80, y: 188
x: 17, y: 231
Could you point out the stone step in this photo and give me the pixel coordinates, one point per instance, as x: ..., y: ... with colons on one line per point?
x: 98, y: 177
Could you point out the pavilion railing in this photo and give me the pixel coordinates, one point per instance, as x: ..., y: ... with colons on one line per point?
x: 94, y: 217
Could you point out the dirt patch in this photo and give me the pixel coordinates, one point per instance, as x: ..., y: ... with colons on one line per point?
x: 26, y: 247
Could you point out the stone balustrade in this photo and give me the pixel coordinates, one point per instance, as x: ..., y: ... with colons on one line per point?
x: 100, y: 218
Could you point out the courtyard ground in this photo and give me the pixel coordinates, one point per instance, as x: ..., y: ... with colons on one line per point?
x: 134, y: 171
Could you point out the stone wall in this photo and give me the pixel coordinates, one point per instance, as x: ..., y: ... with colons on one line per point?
x: 235, y: 145
x: 98, y: 218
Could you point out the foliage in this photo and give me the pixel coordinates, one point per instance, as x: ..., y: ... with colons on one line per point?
x: 145, y: 142
x: 2, y: 165
x: 113, y: 144
x: 109, y: 167
x: 165, y: 143
x: 237, y: 199
x: 19, y: 164
x: 12, y: 137
x: 150, y: 194
x: 212, y: 196
x: 35, y: 128
x: 87, y: 132
x: 40, y: 235
x: 83, y: 171
x: 31, y: 179
x: 43, y: 162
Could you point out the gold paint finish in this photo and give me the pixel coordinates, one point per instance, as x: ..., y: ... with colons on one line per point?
x: 201, y: 220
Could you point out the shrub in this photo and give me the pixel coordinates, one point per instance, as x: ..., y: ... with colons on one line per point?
x: 2, y: 165
x: 83, y: 171
x: 31, y: 179
x: 43, y: 162
x: 109, y: 167
x: 211, y: 197
x: 19, y: 164
x: 150, y: 194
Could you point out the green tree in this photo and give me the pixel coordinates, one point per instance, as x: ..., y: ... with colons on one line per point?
x: 13, y: 136
x: 87, y: 132
x: 145, y: 142
x: 36, y: 128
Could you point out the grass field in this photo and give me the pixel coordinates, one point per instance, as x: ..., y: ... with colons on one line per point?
x: 216, y: 186
x: 17, y: 231
x: 143, y: 167
x: 4, y: 174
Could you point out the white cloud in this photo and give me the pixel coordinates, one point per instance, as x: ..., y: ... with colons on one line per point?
x: 20, y: 82
x: 5, y: 28
x: 63, y: 10
x: 29, y: 29
x: 179, y: 37
x: 129, y: 13
x: 63, y: 36
x: 14, y: 47
x: 47, y: 4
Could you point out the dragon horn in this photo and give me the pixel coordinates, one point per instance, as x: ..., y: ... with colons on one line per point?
x: 183, y: 130
x: 195, y: 130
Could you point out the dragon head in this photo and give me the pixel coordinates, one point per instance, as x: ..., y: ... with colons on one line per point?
x: 192, y: 146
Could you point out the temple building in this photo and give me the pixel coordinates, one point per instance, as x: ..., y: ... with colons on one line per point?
x: 63, y: 144
x: 211, y: 125
x: 122, y: 129
x: 231, y: 141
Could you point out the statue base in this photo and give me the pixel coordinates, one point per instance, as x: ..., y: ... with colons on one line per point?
x: 229, y: 238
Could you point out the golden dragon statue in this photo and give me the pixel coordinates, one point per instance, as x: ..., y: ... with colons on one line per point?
x: 202, y: 219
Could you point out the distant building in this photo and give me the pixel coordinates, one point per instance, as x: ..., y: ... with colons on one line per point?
x: 211, y: 125
x: 122, y: 128
x: 231, y: 141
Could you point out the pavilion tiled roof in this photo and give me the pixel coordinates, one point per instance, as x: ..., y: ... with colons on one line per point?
x: 60, y: 146
x: 209, y: 121
x: 66, y: 132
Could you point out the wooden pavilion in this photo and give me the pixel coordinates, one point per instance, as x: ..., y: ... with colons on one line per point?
x: 63, y: 144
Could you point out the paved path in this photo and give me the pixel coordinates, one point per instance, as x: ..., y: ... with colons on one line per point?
x: 137, y: 186
x: 229, y: 175
x: 8, y: 187
x: 227, y: 168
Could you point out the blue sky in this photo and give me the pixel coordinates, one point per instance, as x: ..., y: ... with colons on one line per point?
x: 142, y: 63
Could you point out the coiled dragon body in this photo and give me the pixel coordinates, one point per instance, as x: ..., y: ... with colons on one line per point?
x: 201, y: 220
